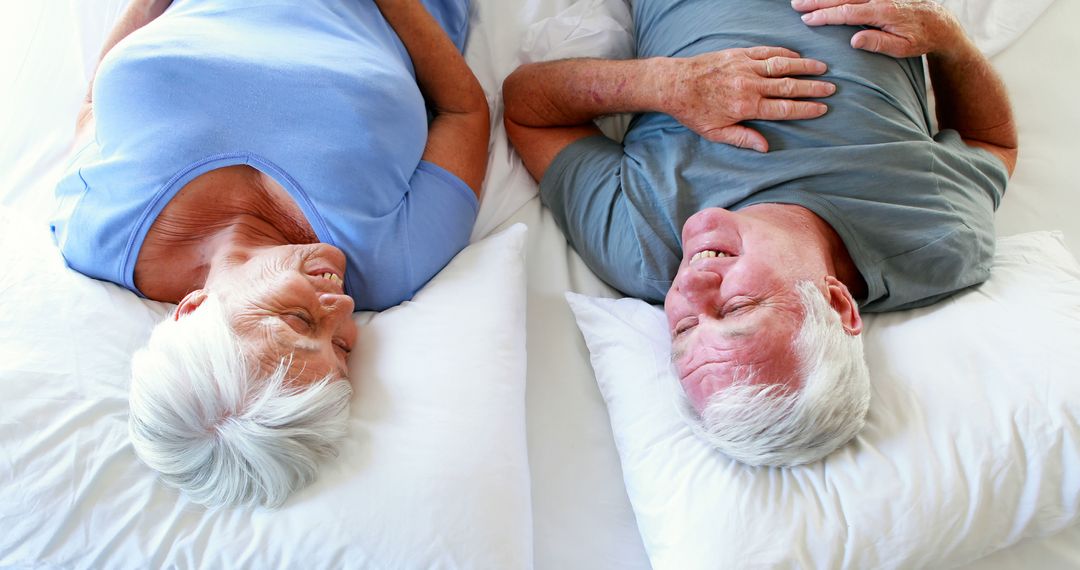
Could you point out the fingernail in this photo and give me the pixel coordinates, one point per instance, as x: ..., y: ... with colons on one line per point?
x: 830, y: 88
x: 808, y: 17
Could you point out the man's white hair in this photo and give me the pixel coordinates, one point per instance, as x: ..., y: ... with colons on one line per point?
x: 203, y: 416
x: 770, y: 424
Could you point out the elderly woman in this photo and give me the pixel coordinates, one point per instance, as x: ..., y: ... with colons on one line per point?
x: 269, y: 167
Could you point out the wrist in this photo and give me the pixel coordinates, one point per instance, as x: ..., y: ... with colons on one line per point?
x: 663, y: 84
x: 954, y: 42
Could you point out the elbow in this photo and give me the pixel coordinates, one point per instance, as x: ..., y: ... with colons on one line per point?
x: 513, y: 90
x: 1007, y: 145
x: 1008, y: 149
x: 478, y: 101
x: 1001, y: 141
x: 1009, y: 156
x: 471, y: 100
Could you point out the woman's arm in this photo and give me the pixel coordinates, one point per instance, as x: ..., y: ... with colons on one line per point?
x: 458, y: 135
x: 971, y: 97
x: 138, y: 14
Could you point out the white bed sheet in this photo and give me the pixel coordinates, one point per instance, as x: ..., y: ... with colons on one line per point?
x: 581, y: 514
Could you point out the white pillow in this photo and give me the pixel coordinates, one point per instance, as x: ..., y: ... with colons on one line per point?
x: 995, y: 24
x: 972, y: 442
x: 434, y: 472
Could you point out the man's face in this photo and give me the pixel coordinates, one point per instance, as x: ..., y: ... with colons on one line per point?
x: 733, y: 302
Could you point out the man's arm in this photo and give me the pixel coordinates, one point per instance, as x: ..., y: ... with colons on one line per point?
x: 971, y: 97
x: 136, y: 15
x: 550, y: 105
x: 458, y: 135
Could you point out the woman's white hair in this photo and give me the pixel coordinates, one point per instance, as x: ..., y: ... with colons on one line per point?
x: 213, y: 426
x: 769, y: 424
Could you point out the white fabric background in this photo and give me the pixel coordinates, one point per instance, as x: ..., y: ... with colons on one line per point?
x: 581, y: 515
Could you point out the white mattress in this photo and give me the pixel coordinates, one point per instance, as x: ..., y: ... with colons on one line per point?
x: 581, y: 514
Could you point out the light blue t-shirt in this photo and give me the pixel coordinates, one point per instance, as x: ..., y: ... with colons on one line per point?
x: 318, y: 94
x: 914, y: 209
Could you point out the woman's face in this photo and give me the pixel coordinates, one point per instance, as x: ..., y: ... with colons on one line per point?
x: 289, y: 299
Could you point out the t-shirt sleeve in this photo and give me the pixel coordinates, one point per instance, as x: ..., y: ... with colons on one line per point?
x: 583, y: 189
x: 965, y: 165
x: 970, y: 184
x: 440, y: 213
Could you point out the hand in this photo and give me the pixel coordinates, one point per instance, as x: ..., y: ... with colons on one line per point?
x: 711, y: 93
x: 905, y: 28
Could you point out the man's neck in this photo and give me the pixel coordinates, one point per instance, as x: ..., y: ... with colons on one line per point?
x: 816, y: 237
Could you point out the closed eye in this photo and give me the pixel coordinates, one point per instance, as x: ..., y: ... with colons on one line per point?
x: 342, y: 345
x: 299, y: 321
x: 685, y: 325
x: 737, y: 305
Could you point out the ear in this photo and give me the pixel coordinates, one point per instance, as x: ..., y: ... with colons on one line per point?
x: 189, y: 303
x: 844, y: 304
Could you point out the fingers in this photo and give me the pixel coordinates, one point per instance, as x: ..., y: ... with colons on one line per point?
x: 789, y: 88
x: 879, y: 42
x: 810, y: 5
x: 765, y: 52
x: 788, y: 110
x: 783, y: 66
x: 740, y: 136
x: 847, y: 15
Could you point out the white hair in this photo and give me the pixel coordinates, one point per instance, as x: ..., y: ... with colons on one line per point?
x: 770, y: 424
x: 205, y: 418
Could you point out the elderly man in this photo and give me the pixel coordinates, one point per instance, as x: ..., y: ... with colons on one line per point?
x: 768, y: 220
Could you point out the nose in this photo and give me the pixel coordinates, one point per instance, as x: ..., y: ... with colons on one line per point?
x: 338, y: 310
x: 698, y: 286
x: 336, y: 305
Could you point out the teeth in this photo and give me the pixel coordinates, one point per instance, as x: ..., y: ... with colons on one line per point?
x: 331, y: 277
x: 708, y: 253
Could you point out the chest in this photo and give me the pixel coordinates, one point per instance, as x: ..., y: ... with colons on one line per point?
x: 280, y: 83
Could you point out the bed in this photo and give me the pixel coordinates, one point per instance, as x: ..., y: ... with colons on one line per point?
x: 541, y: 482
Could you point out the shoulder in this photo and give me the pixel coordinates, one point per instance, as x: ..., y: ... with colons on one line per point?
x: 953, y: 261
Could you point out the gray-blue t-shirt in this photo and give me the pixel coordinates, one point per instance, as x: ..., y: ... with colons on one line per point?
x: 914, y: 210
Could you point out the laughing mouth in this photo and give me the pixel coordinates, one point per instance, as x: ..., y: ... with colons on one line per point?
x: 708, y: 254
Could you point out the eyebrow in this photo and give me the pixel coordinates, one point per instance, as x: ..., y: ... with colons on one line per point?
x: 739, y: 333
x: 305, y: 344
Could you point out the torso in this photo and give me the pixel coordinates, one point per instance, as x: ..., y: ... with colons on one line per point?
x: 318, y: 95
x: 914, y: 209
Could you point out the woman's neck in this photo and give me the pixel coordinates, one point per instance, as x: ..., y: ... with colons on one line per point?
x: 214, y: 217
